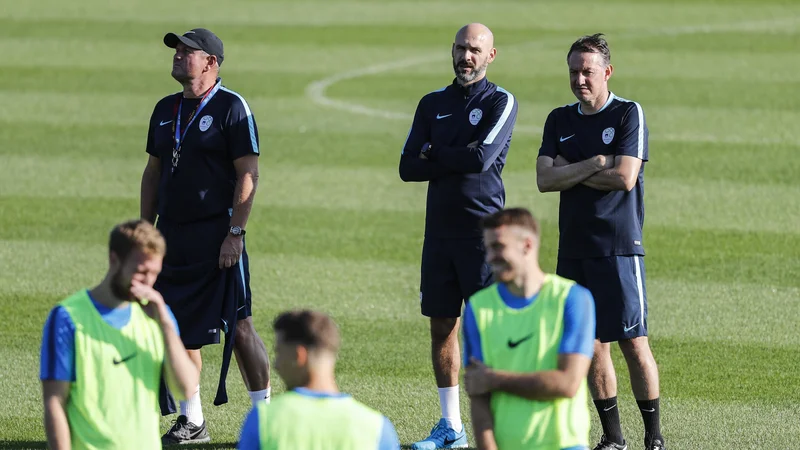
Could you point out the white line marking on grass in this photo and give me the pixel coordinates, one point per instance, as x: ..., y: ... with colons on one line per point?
x: 317, y: 90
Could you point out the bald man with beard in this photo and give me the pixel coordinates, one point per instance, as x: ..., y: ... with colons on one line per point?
x: 458, y: 143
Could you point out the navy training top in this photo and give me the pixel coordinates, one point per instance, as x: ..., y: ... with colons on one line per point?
x: 203, y: 184
x: 594, y: 223
x: 469, y: 129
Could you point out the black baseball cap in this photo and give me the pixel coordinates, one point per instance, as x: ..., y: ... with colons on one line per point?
x: 198, y: 38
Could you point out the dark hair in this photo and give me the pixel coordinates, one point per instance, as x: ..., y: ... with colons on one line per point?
x: 592, y: 44
x: 136, y: 234
x: 520, y: 217
x: 311, y: 329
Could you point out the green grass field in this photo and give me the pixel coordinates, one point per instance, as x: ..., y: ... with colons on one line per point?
x: 333, y: 85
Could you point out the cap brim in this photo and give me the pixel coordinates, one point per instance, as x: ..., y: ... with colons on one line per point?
x: 171, y: 40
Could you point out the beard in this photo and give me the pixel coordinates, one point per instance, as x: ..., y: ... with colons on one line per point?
x: 464, y: 77
x: 119, y: 287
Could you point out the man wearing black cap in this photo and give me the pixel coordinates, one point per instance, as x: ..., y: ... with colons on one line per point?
x: 200, y: 181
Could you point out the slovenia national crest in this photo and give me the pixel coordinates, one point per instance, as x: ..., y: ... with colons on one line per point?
x: 205, y: 123
x: 475, y: 116
x: 608, y: 135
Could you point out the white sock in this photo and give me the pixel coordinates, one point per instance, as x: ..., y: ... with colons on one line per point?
x: 192, y: 409
x: 257, y: 396
x: 448, y: 400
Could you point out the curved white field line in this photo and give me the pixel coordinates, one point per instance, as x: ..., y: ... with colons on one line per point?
x: 316, y: 91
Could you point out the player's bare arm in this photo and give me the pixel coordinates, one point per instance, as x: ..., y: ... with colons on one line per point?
x: 560, y: 161
x: 243, y: 196
x: 149, y: 192
x: 551, y: 177
x: 544, y: 385
x: 56, y: 426
x: 621, y: 177
x: 482, y: 421
x: 180, y: 372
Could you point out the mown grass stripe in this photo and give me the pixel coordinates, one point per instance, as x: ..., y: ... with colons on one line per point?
x: 28, y: 146
x: 669, y: 202
x: 697, y: 310
x: 678, y: 253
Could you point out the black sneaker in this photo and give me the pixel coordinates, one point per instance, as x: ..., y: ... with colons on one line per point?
x: 185, y: 432
x: 605, y: 444
x: 654, y: 443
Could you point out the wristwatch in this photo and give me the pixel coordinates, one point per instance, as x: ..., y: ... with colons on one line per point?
x: 236, y: 231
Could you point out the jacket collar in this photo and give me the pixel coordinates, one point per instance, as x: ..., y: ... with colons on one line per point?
x: 471, y: 89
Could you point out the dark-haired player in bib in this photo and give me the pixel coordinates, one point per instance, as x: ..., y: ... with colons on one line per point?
x: 200, y: 182
x: 594, y: 152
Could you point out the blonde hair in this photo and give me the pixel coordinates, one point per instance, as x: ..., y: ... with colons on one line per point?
x: 136, y: 234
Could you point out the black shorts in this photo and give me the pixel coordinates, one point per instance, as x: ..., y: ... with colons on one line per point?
x: 203, y: 297
x: 452, y: 270
x: 617, y: 284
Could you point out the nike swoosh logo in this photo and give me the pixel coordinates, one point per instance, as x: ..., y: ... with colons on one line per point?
x: 116, y: 362
x: 512, y: 344
x: 649, y: 410
x: 562, y: 139
x: 449, y: 441
x: 442, y: 117
x: 630, y: 328
x: 609, y: 408
x: 164, y: 123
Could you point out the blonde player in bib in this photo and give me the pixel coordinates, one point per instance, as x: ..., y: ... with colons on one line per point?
x: 528, y: 343
x: 105, y: 349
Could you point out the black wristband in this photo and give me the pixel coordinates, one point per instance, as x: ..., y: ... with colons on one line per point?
x: 427, y: 151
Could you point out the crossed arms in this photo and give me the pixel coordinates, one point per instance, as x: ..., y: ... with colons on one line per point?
x: 601, y: 172
x: 481, y: 381
x: 616, y: 172
x: 476, y: 157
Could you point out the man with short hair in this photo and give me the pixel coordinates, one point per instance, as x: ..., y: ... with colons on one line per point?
x: 528, y: 342
x: 105, y: 350
x: 458, y: 143
x: 593, y: 152
x: 200, y: 182
x: 312, y: 414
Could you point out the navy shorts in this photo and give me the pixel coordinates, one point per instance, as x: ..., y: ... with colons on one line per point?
x: 452, y: 270
x: 199, y: 293
x: 617, y: 284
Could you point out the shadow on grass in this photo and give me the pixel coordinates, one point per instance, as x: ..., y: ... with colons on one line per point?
x: 408, y: 446
x: 22, y: 445
x: 25, y: 445
x: 209, y: 446
x: 29, y: 445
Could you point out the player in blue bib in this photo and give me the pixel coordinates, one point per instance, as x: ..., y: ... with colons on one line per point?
x: 106, y: 349
x: 313, y: 414
x: 528, y: 343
